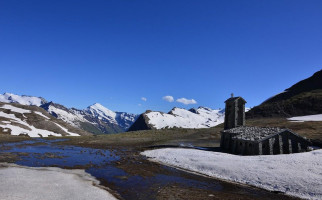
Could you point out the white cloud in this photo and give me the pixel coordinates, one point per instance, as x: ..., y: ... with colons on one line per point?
x: 139, y: 104
x: 186, y: 101
x: 168, y: 98
x: 143, y: 99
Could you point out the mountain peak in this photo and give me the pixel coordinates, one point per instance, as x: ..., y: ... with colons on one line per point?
x: 99, y: 110
x: 205, y: 108
x: 97, y: 105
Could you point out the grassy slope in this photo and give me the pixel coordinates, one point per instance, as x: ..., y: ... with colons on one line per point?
x: 303, y: 98
x: 198, y: 137
x: 306, y: 103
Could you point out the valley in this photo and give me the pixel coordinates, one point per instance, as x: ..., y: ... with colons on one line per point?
x: 115, y: 160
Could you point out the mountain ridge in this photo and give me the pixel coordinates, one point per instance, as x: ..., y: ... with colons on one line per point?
x: 201, y: 117
x: 302, y: 98
x: 95, y: 119
x: 17, y: 119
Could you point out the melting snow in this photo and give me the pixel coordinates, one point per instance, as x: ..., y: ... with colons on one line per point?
x: 19, y: 182
x: 66, y: 130
x: 294, y: 174
x: 70, y: 118
x: 306, y: 118
x: 39, y: 113
x: 15, y: 109
x: 29, y: 130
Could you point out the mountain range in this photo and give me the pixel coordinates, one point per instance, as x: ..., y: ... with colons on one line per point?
x: 97, y: 119
x: 30, y: 115
x: 94, y: 119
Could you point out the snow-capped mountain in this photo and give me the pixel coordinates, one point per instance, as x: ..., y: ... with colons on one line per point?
x: 201, y: 117
x: 23, y: 100
x: 71, y: 116
x: 102, y: 113
x: 94, y: 119
x: 17, y: 119
x: 123, y: 119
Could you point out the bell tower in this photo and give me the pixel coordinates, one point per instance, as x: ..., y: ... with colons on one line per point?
x: 234, y: 112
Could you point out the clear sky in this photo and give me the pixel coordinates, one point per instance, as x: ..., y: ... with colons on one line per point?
x: 115, y: 52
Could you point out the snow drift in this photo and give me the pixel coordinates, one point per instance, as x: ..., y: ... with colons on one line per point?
x: 293, y: 174
x: 19, y: 182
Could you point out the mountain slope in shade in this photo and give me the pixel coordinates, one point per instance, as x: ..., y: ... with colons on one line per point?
x: 17, y: 119
x: 179, y: 118
x: 125, y: 120
x: 303, y: 98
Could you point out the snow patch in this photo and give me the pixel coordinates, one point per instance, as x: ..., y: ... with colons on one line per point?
x: 66, y: 130
x: 39, y: 113
x: 50, y: 183
x: 15, y: 109
x: 293, y: 174
x: 70, y: 118
x: 313, y: 118
x: 17, y: 130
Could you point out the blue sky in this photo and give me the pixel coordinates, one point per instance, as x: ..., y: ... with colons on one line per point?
x: 115, y: 52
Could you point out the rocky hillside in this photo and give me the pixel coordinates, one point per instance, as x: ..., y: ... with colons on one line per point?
x: 94, y: 119
x: 179, y: 118
x: 303, y: 98
x: 33, y: 121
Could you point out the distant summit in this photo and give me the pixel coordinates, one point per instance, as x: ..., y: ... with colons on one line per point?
x: 23, y: 100
x: 201, y: 117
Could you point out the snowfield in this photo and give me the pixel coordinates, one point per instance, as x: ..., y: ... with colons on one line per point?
x: 182, y: 118
x: 19, y: 182
x: 68, y: 117
x: 297, y: 175
x: 23, y: 100
x: 201, y: 117
x: 313, y: 118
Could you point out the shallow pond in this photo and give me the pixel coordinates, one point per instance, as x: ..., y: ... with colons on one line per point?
x: 100, y: 163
